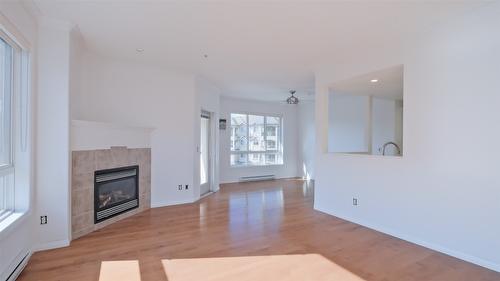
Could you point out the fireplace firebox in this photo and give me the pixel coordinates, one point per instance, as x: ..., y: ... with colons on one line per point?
x: 115, y: 191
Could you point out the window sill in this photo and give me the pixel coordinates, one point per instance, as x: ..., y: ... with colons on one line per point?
x: 10, y: 222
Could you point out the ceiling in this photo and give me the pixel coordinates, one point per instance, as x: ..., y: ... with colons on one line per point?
x: 255, y: 49
x: 389, y: 84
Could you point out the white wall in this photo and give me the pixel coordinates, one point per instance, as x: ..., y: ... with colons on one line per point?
x: 349, y: 128
x: 50, y: 45
x: 18, y: 238
x: 76, y: 51
x: 306, y: 139
x: 88, y: 135
x: 398, y: 131
x: 444, y: 192
x: 290, y: 142
x: 132, y: 94
x: 383, y: 121
x: 53, y: 143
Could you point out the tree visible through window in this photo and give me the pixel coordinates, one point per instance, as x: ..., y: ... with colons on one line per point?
x: 255, y: 140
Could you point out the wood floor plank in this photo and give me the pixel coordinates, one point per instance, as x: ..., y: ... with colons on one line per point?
x: 248, y: 219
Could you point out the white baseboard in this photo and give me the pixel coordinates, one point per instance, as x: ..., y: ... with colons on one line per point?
x: 277, y: 178
x: 170, y: 203
x: 205, y: 195
x: 17, y: 266
x: 51, y: 245
x: 457, y: 254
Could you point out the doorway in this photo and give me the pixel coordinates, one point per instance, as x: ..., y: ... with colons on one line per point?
x: 205, y: 153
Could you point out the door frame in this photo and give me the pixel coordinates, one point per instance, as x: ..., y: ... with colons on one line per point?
x: 211, y: 149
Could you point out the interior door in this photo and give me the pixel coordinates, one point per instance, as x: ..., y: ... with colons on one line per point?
x: 205, y: 163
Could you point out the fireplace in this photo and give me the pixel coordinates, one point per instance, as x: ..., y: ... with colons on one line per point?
x: 115, y: 191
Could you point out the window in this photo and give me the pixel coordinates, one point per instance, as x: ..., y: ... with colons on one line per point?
x: 6, y: 70
x: 6, y: 98
x: 14, y: 115
x: 271, y: 131
x: 271, y: 144
x: 256, y: 140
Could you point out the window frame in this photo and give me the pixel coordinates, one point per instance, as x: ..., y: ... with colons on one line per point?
x: 279, y: 140
x: 7, y: 171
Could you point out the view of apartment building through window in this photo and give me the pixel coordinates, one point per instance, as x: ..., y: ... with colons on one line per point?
x: 256, y: 140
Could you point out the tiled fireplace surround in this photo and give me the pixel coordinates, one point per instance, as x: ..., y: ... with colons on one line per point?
x: 84, y: 164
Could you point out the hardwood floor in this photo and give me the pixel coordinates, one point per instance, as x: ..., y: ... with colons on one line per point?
x: 248, y: 219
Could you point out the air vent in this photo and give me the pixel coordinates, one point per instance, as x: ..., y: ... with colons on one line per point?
x: 258, y: 178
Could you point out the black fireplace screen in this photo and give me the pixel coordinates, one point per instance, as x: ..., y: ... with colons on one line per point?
x: 115, y: 191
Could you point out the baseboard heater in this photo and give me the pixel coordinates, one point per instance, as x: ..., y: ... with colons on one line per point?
x: 19, y: 267
x: 258, y: 178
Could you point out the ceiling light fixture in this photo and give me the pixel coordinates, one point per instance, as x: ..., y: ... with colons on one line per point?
x: 139, y: 50
x: 374, y: 80
x: 292, y: 99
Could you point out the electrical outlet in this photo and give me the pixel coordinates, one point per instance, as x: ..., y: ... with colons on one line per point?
x: 179, y: 187
x: 43, y: 219
x: 187, y: 186
x: 355, y: 201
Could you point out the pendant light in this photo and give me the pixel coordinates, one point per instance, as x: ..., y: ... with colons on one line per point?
x: 292, y: 99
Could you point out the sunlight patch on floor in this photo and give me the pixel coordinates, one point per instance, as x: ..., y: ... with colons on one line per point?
x: 120, y: 271
x: 273, y: 268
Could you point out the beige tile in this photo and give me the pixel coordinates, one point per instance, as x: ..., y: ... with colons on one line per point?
x: 142, y: 198
x: 80, y: 201
x: 144, y: 184
x: 133, y: 156
x: 146, y: 203
x: 143, y: 156
x: 103, y: 159
x: 83, y: 221
x: 82, y: 181
x: 144, y: 171
x: 119, y: 156
x: 83, y: 162
x: 83, y: 185
x: 82, y: 232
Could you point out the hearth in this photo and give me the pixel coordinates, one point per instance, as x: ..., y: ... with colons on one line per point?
x: 115, y: 191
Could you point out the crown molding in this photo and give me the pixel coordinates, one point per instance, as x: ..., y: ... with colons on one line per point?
x: 31, y: 8
x: 44, y: 21
x: 14, y: 34
x: 47, y: 22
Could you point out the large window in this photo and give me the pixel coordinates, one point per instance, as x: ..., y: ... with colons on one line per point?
x: 6, y: 98
x: 14, y: 115
x: 256, y: 140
